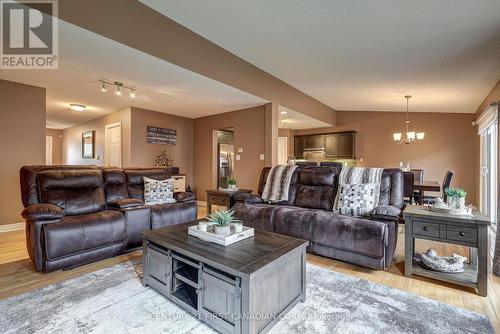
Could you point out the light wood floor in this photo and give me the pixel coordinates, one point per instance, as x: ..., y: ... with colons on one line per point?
x: 18, y: 276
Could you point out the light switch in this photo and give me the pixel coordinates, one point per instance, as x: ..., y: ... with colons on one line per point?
x: 240, y: 149
x: 238, y: 157
x: 262, y: 157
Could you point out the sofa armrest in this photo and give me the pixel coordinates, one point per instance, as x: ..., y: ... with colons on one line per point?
x: 42, y: 211
x: 126, y: 203
x: 386, y: 213
x: 184, y: 197
x: 247, y: 198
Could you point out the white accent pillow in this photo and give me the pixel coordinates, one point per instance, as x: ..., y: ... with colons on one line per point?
x: 356, y: 199
x: 158, y: 192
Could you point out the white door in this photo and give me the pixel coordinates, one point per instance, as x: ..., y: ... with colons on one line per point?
x: 48, y: 150
x: 113, y: 145
x: 282, y: 150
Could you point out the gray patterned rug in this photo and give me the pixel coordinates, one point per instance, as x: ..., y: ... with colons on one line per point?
x: 113, y: 300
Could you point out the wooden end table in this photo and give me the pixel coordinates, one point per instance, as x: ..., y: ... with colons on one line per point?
x: 469, y: 231
x: 222, y: 198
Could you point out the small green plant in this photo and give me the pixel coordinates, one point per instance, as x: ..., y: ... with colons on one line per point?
x: 455, y: 192
x: 231, y: 182
x: 223, y: 217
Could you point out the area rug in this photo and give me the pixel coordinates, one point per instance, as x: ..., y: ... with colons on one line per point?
x: 113, y: 300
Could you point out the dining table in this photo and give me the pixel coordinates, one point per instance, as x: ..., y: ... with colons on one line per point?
x: 425, y: 185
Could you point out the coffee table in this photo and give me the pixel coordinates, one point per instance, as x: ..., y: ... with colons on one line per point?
x: 242, y: 288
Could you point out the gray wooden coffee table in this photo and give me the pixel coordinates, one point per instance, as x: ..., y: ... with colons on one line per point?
x: 241, y: 288
x: 469, y: 231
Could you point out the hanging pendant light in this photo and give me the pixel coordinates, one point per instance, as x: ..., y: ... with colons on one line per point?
x: 410, y: 136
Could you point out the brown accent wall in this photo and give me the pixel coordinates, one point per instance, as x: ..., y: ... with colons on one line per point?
x: 450, y: 143
x: 249, y: 133
x: 143, y: 154
x: 72, y: 139
x: 22, y: 141
x: 57, y: 145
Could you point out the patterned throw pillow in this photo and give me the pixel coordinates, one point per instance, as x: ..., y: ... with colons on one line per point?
x: 158, y: 192
x: 356, y: 199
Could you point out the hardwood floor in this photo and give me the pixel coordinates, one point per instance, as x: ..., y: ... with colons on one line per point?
x: 18, y: 276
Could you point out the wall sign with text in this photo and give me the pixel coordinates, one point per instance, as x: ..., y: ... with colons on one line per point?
x: 156, y: 135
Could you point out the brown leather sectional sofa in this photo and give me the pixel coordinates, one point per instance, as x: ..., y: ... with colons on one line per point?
x: 365, y: 241
x: 80, y: 214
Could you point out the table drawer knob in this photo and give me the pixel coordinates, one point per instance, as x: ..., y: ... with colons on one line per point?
x: 425, y: 228
x: 461, y: 233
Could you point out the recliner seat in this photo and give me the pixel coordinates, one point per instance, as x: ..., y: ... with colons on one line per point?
x: 365, y: 241
x: 80, y: 214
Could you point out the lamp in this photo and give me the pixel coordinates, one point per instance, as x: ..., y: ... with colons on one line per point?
x: 77, y: 107
x: 118, y: 85
x: 411, y: 136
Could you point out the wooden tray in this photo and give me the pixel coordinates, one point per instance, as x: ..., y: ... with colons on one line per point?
x: 210, y: 236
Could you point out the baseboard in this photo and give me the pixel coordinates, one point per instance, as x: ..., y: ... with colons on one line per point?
x: 12, y: 227
x: 201, y: 203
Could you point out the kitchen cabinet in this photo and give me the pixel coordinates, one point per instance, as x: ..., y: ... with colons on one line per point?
x: 341, y: 145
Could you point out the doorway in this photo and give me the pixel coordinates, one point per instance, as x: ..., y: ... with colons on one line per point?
x: 113, y: 145
x: 282, y: 150
x: 48, y: 150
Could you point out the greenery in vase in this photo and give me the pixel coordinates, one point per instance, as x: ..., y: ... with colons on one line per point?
x: 231, y: 182
x: 455, y: 192
x: 223, y: 218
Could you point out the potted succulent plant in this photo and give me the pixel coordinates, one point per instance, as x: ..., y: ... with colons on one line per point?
x: 231, y: 184
x: 222, y: 221
x: 456, y: 199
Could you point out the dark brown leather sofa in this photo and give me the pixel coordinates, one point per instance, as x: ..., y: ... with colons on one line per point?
x: 368, y: 241
x: 80, y: 214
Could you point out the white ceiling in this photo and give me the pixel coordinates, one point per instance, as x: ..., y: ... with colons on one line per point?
x: 84, y: 57
x: 361, y: 54
x: 296, y: 121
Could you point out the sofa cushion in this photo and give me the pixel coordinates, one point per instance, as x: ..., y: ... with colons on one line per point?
x: 158, y: 192
x: 356, y: 199
x: 352, y: 234
x: 75, y: 191
x: 392, y: 188
x: 77, y: 234
x: 316, y: 188
x: 135, y: 182
x: 170, y: 214
x: 115, y: 184
x: 295, y: 222
x: 259, y: 216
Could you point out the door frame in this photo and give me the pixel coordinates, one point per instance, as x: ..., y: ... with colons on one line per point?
x: 106, y: 148
x: 47, y: 162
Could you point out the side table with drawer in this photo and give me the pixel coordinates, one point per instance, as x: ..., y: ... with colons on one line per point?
x: 222, y: 198
x: 470, y: 230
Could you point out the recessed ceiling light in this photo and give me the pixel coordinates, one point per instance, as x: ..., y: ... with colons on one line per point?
x: 284, y: 112
x: 77, y: 107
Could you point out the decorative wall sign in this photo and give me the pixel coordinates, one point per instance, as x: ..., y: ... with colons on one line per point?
x: 156, y: 135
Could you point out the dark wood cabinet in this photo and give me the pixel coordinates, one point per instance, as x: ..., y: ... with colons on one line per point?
x: 346, y: 145
x: 299, y: 146
x: 340, y: 145
x: 331, y: 145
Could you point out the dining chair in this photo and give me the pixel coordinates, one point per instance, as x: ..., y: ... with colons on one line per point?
x: 448, y: 178
x: 419, y: 174
x: 408, y: 193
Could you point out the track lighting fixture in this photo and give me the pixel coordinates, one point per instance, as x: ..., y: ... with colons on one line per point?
x: 118, y: 85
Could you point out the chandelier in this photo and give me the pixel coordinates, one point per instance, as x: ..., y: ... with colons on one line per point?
x: 411, y: 136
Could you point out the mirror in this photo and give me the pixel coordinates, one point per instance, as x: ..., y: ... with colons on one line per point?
x: 88, y: 147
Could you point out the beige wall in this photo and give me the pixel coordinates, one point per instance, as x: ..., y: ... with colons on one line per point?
x: 450, y: 143
x: 144, y: 154
x: 249, y: 133
x: 72, y: 139
x: 57, y: 145
x: 22, y: 141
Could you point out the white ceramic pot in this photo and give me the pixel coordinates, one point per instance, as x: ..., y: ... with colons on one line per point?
x: 456, y: 204
x: 238, y: 227
x: 222, y: 230
x: 231, y: 187
x: 202, y: 226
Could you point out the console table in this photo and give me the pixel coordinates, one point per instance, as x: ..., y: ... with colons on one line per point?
x: 469, y: 231
x: 245, y: 287
x: 222, y: 198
